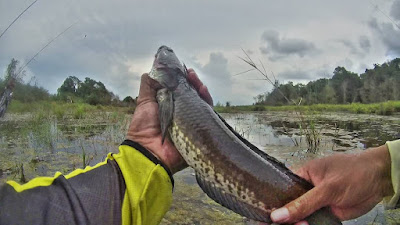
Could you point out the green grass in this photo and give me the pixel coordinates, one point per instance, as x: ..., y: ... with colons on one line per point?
x: 383, y: 108
x: 62, y: 110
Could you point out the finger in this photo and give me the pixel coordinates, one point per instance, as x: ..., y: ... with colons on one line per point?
x: 205, y: 95
x: 148, y: 89
x: 199, y: 86
x: 194, y: 79
x: 301, y: 207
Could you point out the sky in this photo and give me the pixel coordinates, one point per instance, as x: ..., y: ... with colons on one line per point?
x: 115, y: 41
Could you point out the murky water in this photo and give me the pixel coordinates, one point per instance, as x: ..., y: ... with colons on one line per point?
x: 32, y: 147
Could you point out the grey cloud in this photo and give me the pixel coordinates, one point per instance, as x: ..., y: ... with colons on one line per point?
x: 249, y: 51
x: 388, y: 34
x: 303, y: 74
x: 361, y: 49
x: 347, y: 63
x: 290, y: 75
x: 350, y: 45
x: 373, y: 23
x: 395, y: 10
x: 217, y: 77
x: 364, y: 43
x: 277, y: 47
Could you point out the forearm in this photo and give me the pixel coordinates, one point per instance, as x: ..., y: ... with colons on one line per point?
x: 127, y: 187
x: 93, y: 195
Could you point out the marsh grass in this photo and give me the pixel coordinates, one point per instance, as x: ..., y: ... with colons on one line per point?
x: 306, y: 120
x: 53, y: 136
x: 62, y: 110
x: 383, y: 108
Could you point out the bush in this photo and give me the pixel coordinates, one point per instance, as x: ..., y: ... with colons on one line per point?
x: 79, y: 111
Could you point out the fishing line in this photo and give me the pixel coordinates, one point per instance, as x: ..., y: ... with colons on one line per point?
x: 44, y: 47
x: 387, y: 16
x: 1, y: 35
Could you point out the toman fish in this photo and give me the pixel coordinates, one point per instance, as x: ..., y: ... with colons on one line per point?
x: 228, y: 168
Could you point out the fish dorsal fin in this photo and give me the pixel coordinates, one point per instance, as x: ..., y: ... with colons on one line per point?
x: 165, y: 110
x: 232, y: 202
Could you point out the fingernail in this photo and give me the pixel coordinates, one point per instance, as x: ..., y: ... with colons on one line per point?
x: 280, y: 215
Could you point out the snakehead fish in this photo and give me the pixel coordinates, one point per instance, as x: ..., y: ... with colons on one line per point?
x: 229, y: 169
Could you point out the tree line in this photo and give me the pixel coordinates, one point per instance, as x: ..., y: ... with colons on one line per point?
x: 382, y: 83
x: 72, y: 90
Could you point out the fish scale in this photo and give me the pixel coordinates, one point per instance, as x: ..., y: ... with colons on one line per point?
x: 229, y: 169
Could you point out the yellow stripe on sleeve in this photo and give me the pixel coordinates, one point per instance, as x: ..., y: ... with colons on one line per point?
x: 394, y: 150
x: 148, y: 194
x: 47, y: 181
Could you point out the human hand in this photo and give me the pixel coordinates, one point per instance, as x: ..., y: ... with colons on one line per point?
x: 351, y: 184
x: 145, y: 125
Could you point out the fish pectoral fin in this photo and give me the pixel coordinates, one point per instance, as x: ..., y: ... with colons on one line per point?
x: 231, y: 201
x: 165, y: 110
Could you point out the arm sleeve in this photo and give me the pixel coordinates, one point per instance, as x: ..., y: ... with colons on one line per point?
x: 131, y: 187
x: 394, y: 150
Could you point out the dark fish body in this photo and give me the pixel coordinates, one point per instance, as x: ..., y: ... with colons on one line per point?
x: 228, y: 168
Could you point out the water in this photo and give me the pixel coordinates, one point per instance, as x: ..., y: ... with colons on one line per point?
x: 46, y: 146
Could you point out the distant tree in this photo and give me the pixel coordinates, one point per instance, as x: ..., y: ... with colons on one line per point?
x: 328, y: 95
x: 375, y: 85
x: 345, y: 84
x: 70, y: 85
x: 128, y: 99
x: 90, y: 91
x: 219, y: 104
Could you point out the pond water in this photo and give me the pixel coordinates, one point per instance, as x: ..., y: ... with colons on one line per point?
x: 31, y: 147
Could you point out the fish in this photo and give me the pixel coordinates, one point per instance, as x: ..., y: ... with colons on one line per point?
x: 228, y: 168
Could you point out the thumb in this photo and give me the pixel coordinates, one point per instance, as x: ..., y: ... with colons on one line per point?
x: 148, y: 89
x: 301, y: 207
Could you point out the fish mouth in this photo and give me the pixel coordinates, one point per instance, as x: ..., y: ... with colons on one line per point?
x: 163, y: 48
x: 167, y: 69
x: 165, y: 57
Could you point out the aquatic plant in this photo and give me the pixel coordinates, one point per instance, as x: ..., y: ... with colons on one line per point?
x: 306, y: 121
x: 79, y: 111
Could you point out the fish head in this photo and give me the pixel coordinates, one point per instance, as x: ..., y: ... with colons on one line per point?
x: 167, y: 69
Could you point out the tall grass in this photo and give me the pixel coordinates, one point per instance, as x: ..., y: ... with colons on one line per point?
x: 62, y: 110
x: 383, y: 108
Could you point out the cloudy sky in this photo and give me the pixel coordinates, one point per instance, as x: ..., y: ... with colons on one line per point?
x: 115, y: 41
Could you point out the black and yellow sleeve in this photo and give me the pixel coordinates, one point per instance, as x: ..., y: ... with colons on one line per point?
x: 131, y: 187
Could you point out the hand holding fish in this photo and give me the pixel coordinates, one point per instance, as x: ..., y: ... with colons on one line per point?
x: 351, y: 184
x: 145, y: 125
